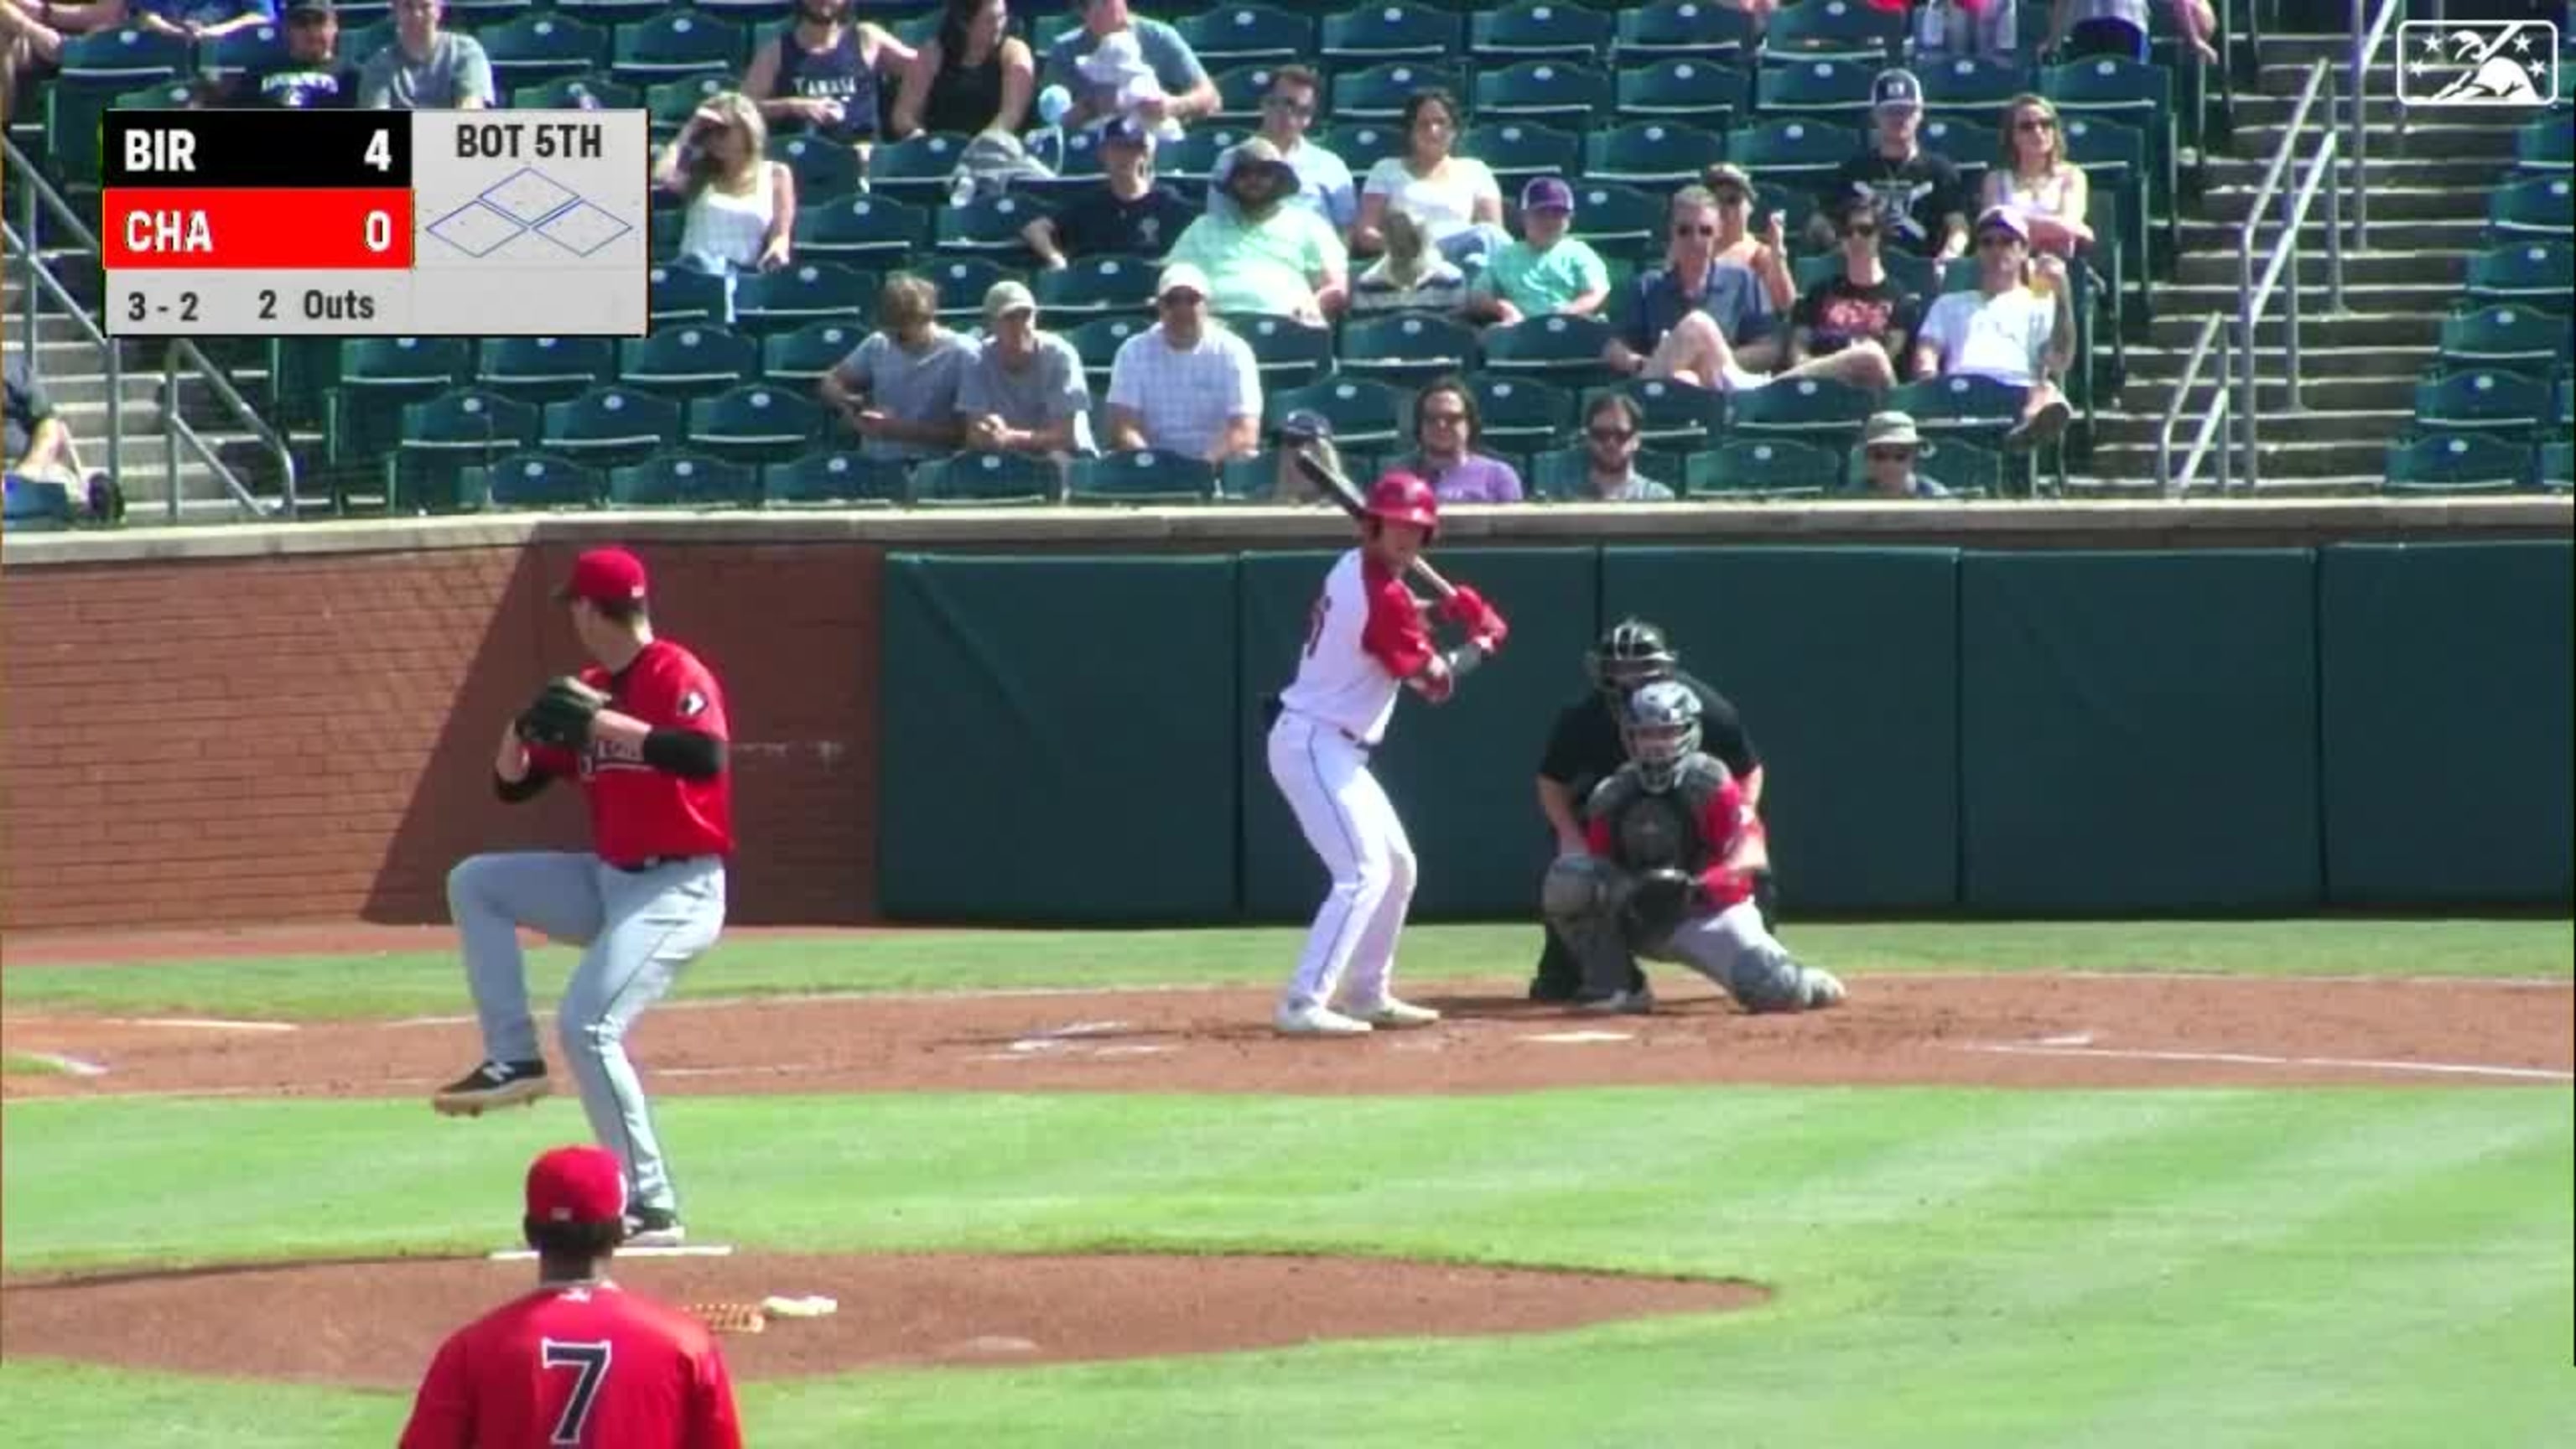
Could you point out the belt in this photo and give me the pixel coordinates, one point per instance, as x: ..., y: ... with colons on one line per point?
x: 652, y: 862
x: 1315, y: 723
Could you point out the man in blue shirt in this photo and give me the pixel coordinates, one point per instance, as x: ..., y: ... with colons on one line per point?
x: 1190, y: 95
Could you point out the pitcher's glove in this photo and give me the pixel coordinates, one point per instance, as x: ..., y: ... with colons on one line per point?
x: 561, y: 714
x: 1658, y: 902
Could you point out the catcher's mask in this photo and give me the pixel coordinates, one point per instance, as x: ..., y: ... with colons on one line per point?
x: 1629, y: 653
x: 1661, y: 729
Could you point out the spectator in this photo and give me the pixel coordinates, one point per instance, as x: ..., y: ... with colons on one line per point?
x: 1186, y: 384
x: 1262, y: 255
x: 1323, y: 182
x: 1697, y: 321
x: 1765, y: 255
x: 2004, y: 331
x: 827, y: 76
x: 1457, y: 198
x: 537, y: 1369
x: 741, y: 205
x: 36, y: 446
x: 308, y: 76
x: 427, y: 68
x: 2078, y: 28
x: 1309, y: 431
x: 973, y: 76
x: 1546, y: 272
x: 1176, y: 68
x: 1889, y: 445
x: 1411, y: 277
x: 1128, y: 214
x: 1024, y: 391
x: 1611, y: 425
x: 199, y: 20
x: 1953, y: 28
x: 2036, y: 180
x: 1922, y: 202
x: 898, y: 388
x: 1446, y: 429
x: 1860, y: 302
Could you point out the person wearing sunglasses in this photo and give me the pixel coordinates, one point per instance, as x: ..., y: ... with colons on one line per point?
x: 1262, y: 255
x: 1861, y: 301
x: 1889, y: 446
x: 1187, y: 384
x: 1610, y: 436
x: 1710, y: 324
x: 2004, y: 331
x: 2049, y: 191
x: 1446, y: 429
x: 1324, y: 184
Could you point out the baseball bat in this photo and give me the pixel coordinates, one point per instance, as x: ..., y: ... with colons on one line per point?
x: 1337, y: 486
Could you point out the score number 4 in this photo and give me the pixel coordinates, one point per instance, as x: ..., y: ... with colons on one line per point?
x: 380, y: 227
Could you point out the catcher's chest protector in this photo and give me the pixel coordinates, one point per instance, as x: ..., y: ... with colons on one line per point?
x: 1654, y: 830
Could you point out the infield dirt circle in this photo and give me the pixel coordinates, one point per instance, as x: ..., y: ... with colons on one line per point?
x: 354, y: 1320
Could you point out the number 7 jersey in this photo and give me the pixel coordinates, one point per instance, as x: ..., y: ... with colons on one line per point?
x: 1364, y: 637
x: 584, y: 1365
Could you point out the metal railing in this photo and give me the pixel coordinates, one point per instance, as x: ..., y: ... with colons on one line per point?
x: 2253, y: 294
x: 2365, y: 49
x: 2213, y: 328
x: 42, y: 200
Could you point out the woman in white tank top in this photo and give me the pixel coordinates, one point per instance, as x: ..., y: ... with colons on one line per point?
x: 2035, y: 178
x: 742, y: 206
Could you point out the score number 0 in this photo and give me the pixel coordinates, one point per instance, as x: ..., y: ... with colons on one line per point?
x: 380, y: 155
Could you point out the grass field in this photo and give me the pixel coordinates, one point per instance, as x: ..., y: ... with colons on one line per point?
x: 2351, y: 1267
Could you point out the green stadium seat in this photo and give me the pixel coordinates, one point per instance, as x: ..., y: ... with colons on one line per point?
x: 666, y: 47
x: 1521, y: 413
x: 669, y: 103
x: 2543, y: 206
x: 756, y: 423
x: 2481, y: 400
x: 1970, y: 88
x: 608, y: 427
x: 237, y: 52
x: 801, y: 357
x: 1239, y: 89
x: 122, y: 59
x: 1407, y: 351
x: 1676, y: 412
x: 1701, y: 29
x: 917, y: 169
x: 2458, y: 463
x: 987, y: 479
x: 1096, y: 287
x: 1969, y: 142
x: 2139, y: 97
x: 686, y: 360
x: 1534, y: 28
x: 376, y: 377
x: 869, y: 230
x: 1290, y: 353
x: 2507, y: 334
x: 835, y: 476
x: 1836, y: 30
x: 1363, y: 144
x: 989, y: 226
x: 962, y: 283
x: 683, y: 480
x: 1560, y: 350
x: 538, y: 47
x: 1962, y: 467
x: 1145, y: 475
x: 1516, y: 151
x: 792, y: 296
x: 1379, y: 92
x: 444, y: 434
x: 595, y: 91
x: 1557, y: 92
x: 1191, y: 161
x: 1097, y: 342
x: 1744, y: 468
x: 1396, y: 30
x: 1828, y: 92
x: 2526, y: 273
x: 1618, y: 220
x: 1798, y: 154
x: 1685, y: 90
x: 533, y: 480
x: 1651, y: 153
x: 1363, y: 413
x: 824, y: 168
x: 685, y: 294
x: 611, y: 12
x: 1241, y: 34
x: 2547, y: 144
x: 2558, y: 465
x: 1978, y: 407
x: 1816, y: 409
x: 540, y: 370
x: 359, y: 43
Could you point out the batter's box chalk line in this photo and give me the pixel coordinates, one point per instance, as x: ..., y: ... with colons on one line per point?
x: 681, y: 1250
x: 1580, y: 1038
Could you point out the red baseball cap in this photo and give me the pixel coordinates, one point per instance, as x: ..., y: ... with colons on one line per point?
x: 1402, y: 497
x: 576, y: 1185
x: 605, y: 576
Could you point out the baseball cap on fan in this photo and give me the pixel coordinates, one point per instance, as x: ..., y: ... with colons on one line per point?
x: 576, y: 1185
x: 604, y: 576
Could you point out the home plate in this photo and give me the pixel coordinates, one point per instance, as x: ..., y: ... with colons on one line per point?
x: 683, y: 1250
x: 1581, y: 1038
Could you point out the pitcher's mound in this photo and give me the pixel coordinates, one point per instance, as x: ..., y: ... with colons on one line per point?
x: 375, y: 1324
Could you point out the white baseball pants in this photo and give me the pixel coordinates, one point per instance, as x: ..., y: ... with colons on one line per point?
x: 1351, y: 825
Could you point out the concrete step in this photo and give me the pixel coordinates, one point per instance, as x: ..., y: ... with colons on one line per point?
x: 2316, y: 363
x: 2145, y: 397
x: 2465, y: 202
x: 2420, y: 138
x: 2284, y: 71
x: 2304, y: 462
x: 2176, y: 332
x: 2314, y: 426
x: 2417, y: 173
x: 2360, y: 269
x: 2454, y: 234
x: 2197, y: 298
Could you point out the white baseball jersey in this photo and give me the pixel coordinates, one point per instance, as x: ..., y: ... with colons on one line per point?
x: 1364, y: 637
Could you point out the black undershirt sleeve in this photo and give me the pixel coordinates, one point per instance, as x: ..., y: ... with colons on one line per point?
x: 689, y: 754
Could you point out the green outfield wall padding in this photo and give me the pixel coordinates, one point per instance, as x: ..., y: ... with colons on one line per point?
x: 2447, y: 722
x: 2139, y: 731
x: 1460, y: 773
x: 1059, y: 739
x: 1844, y: 665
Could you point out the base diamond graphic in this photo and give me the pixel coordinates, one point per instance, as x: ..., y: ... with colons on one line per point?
x: 475, y: 229
x: 527, y: 196
x: 582, y: 228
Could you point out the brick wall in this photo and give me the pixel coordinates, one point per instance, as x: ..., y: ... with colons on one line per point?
x: 237, y: 741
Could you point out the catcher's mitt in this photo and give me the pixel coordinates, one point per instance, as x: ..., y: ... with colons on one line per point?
x: 561, y: 713
x: 1659, y: 901
x: 731, y: 1317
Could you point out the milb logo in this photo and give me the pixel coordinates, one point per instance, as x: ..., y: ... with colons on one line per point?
x: 2477, y: 62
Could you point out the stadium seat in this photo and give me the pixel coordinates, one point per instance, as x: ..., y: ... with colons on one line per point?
x: 377, y: 376
x: 917, y: 169
x: 1239, y: 90
x: 792, y: 296
x: 1097, y: 342
x: 592, y: 92
x: 535, y: 48
x: 668, y: 104
x: 1516, y: 151
x: 359, y: 43
x: 835, y: 476
x: 441, y: 436
x: 2547, y: 144
x: 669, y: 46
x: 1651, y: 153
x: 2543, y: 207
x: 609, y: 427
x: 1967, y: 470
x: 1970, y: 88
x: 237, y: 52
x: 1379, y: 92
x: 1676, y: 412
x: 1096, y: 287
x: 470, y: 15
x: 987, y: 479
x: 1521, y: 413
x: 683, y: 480
x: 2558, y: 465
x: 800, y: 357
x: 1190, y: 162
x: 756, y: 423
x: 1821, y: 410
x: 1290, y: 353
x: 1369, y: 34
x: 532, y: 479
x: 1557, y: 349
x: 2139, y: 97
x: 2481, y: 400
x: 1976, y: 410
x: 1363, y: 413
x: 1145, y: 475
x: 1827, y: 92
x: 962, y: 283
x: 1531, y: 28
x: 540, y: 370
x: 2527, y: 273
x: 824, y: 168
x: 1242, y: 34
x: 989, y: 226
x: 611, y: 12
x: 1851, y: 30
x: 1555, y: 92
x: 870, y: 230
x: 1684, y: 90
x: 1702, y: 29
x: 122, y: 59
x: 686, y: 360
x: 2458, y: 463
x: 1762, y: 468
x: 2507, y: 334
x: 1363, y: 144
x: 1618, y: 220
x: 1406, y: 350
x: 1799, y: 154
x: 685, y: 294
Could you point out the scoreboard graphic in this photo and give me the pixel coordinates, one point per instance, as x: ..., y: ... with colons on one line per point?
x: 269, y: 223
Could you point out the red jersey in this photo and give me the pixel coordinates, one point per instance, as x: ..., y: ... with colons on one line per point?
x: 1364, y: 637
x: 636, y: 811
x: 1724, y: 824
x: 577, y: 1366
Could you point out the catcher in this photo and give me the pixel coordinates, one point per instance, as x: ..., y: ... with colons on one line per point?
x: 643, y: 730
x: 1657, y: 879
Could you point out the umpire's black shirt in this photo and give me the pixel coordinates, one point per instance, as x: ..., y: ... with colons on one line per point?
x: 1584, y: 748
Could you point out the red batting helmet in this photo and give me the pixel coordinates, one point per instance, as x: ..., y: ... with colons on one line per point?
x: 1401, y: 497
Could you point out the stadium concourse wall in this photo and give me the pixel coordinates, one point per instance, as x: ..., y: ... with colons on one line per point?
x: 1029, y: 716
